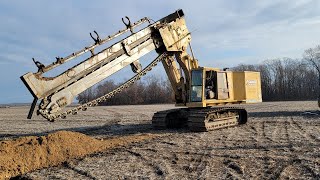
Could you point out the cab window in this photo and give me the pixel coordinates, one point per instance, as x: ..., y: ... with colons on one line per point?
x: 196, y: 86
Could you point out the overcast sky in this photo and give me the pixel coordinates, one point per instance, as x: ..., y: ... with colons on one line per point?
x: 224, y: 32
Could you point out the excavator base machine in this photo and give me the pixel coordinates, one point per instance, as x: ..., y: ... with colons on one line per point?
x: 206, y: 108
x: 203, y: 93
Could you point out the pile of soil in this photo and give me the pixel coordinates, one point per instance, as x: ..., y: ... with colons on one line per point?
x: 26, y: 154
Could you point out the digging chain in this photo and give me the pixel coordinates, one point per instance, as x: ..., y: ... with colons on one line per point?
x: 97, y: 101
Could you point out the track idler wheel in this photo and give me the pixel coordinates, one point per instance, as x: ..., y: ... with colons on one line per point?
x: 170, y: 119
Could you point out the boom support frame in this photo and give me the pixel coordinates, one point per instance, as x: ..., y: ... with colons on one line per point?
x: 168, y: 35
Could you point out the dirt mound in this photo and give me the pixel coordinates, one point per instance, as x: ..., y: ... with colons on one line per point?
x: 33, y: 152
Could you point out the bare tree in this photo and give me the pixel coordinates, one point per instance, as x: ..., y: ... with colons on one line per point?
x: 86, y: 96
x: 152, y: 90
x: 312, y: 56
x: 285, y: 79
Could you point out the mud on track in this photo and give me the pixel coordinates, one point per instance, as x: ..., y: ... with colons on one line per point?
x: 277, y: 142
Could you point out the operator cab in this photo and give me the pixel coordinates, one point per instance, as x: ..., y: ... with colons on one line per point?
x: 208, y: 84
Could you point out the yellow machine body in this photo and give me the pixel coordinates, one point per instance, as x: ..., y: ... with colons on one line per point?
x: 227, y: 87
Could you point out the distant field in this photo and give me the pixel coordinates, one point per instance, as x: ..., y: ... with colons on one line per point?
x: 280, y: 140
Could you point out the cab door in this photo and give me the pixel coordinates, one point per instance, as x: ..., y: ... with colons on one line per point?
x: 196, y: 86
x: 222, y: 85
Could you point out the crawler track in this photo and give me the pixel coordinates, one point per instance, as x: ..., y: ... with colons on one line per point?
x: 200, y: 119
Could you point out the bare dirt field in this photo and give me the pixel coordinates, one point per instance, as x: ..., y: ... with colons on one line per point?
x: 279, y: 141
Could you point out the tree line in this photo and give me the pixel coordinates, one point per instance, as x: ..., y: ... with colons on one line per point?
x: 290, y: 79
x: 153, y: 90
x: 285, y: 79
x: 281, y: 80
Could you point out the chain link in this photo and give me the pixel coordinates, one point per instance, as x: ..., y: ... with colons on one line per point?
x: 97, y: 101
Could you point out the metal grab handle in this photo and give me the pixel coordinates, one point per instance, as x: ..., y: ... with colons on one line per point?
x: 128, y: 25
x: 96, y: 40
x: 39, y: 65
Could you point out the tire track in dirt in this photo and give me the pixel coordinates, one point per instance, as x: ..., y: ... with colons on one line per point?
x: 264, y: 132
x: 312, y: 139
x: 311, y: 170
x: 232, y: 168
x: 276, y: 132
x: 257, y: 138
x: 276, y: 171
x: 74, y: 168
x: 249, y: 127
x: 159, y: 171
x: 261, y: 141
x: 202, y: 162
x: 287, y: 132
x: 192, y: 161
x: 147, y: 161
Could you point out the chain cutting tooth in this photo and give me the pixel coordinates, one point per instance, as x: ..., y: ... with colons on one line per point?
x: 69, y: 111
x: 50, y: 119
